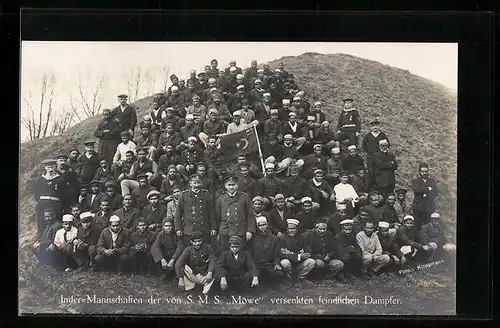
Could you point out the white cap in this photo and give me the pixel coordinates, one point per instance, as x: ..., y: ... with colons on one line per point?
x: 306, y: 199
x: 311, y: 118
x: 192, y: 138
x: 383, y: 142
x: 237, y: 113
x: 408, y: 217
x: 325, y: 123
x: 266, y: 94
x: 114, y: 218
x: 286, y: 101
x: 260, y: 219
x: 67, y: 218
x: 147, y: 117
x: 241, y: 86
x: 269, y: 166
x: 351, y: 147
x: 317, y: 103
x: 211, y: 80
x: 189, y: 117
x: 239, y: 76
x: 274, y: 111
x: 257, y: 81
x: 85, y: 215
x: 152, y: 193
x: 169, y: 108
x: 383, y: 224
x: 174, y: 88
x: 292, y: 221
x: 348, y: 221
x: 292, y: 114
x: 260, y: 70
x: 296, y: 98
x: 232, y: 68
x: 288, y: 136
x: 336, y: 150
x: 318, y: 171
x: 318, y: 146
x: 277, y: 70
x: 435, y: 215
x: 341, y: 206
x: 213, y: 89
x: 300, y: 93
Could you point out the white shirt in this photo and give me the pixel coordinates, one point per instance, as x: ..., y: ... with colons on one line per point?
x: 236, y: 256
x: 375, y: 134
x: 155, y: 113
x: 343, y: 191
x: 114, y: 236
x: 293, y: 127
x: 233, y: 128
x: 122, y: 149
x: 70, y: 236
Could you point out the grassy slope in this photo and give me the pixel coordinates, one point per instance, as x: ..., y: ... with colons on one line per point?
x: 420, y: 120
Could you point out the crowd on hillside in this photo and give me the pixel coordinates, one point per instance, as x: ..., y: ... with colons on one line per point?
x: 320, y: 203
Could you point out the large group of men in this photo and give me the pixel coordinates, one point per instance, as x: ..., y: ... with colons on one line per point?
x: 165, y: 202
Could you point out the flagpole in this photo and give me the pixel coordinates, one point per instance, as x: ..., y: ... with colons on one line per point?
x: 260, y: 150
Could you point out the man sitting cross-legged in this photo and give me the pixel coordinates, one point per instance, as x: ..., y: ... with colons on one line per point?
x: 140, y: 247
x: 196, y: 265
x: 167, y: 247
x: 86, y: 241
x: 373, y: 258
x: 235, y: 267
x: 113, y: 246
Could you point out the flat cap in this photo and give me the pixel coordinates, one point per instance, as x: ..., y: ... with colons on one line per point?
x: 257, y: 199
x: 89, y: 142
x: 435, y: 215
x: 152, y: 193
x: 347, y: 221
x: 49, y: 162
x: 234, y: 240
x: 62, y: 156
x: 231, y: 178
x: 142, y: 176
x: 190, y: 116
x: 123, y: 96
x: 401, y: 191
x: 348, y: 99
x: 93, y: 182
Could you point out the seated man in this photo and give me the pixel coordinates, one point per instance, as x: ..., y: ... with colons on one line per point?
x: 113, y: 247
x: 432, y: 235
x: 172, y: 203
x: 265, y: 251
x: 389, y: 212
x: 172, y: 180
x: 338, y: 216
x: 348, y: 248
x: 406, y: 240
x: 279, y: 215
x: 122, y: 149
x: 140, y: 247
x: 307, y: 215
x: 295, y: 253
x: 43, y: 247
x: 139, y: 194
x: 154, y: 212
x: 246, y: 183
x: 324, y: 251
x: 167, y: 248
x: 373, y: 258
x: 388, y: 245
x: 85, y: 243
x: 63, y: 245
x: 269, y: 185
x: 313, y: 161
x: 345, y: 193
x: 128, y: 215
x: 101, y: 218
x: 235, y: 267
x: 353, y: 161
x: 323, y: 192
x: 190, y: 157
x: 196, y: 265
x: 114, y: 198
x: 401, y: 206
x: 93, y: 199
x: 104, y: 173
x: 290, y: 154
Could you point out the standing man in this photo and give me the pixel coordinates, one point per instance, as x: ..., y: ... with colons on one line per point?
x: 125, y: 115
x: 49, y: 191
x: 233, y: 212
x: 88, y: 162
x: 384, y: 165
x: 70, y: 179
x: 108, y: 133
x: 425, y: 191
x: 370, y: 145
x: 349, y: 123
x: 195, y: 213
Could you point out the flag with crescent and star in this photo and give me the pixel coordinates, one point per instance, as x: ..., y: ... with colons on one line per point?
x: 234, y: 144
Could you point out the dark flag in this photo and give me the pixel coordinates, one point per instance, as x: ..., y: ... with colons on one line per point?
x: 243, y: 142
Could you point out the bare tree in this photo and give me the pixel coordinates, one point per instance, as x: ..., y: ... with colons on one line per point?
x: 150, y: 82
x: 132, y: 77
x: 62, y: 122
x: 37, y: 120
x: 91, y: 90
x: 166, y: 76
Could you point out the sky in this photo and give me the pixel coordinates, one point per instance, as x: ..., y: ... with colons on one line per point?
x: 69, y: 60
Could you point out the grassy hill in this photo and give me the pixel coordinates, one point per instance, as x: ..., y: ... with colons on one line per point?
x: 418, y: 115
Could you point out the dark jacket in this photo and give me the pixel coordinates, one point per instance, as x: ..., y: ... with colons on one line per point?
x: 278, y: 223
x: 122, y: 242
x: 112, y: 128
x: 265, y: 249
x: 424, y: 198
x: 128, y: 219
x: 195, y: 212
x: 432, y: 234
x: 294, y: 244
x: 321, y: 246
x: 200, y: 261
x: 347, y: 245
x: 228, y: 266
x: 126, y: 118
x: 233, y: 214
x: 88, y: 236
x: 384, y: 165
x: 167, y: 246
x: 404, y: 237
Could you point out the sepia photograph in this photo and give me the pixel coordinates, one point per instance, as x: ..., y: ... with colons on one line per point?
x: 238, y: 178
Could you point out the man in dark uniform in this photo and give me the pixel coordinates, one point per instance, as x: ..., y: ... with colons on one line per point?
x: 139, y: 194
x: 349, y: 123
x: 246, y: 183
x: 278, y: 216
x: 86, y: 241
x: 128, y: 215
x: 113, y: 247
x: 370, y: 145
x: 407, y: 241
x: 270, y: 185
x: 46, y: 237
x: 324, y: 251
x: 70, y: 179
x: 233, y: 213
x: 89, y: 163
x: 265, y: 251
x: 295, y: 252
x: 196, y: 265
x: 425, y: 190
x: 154, y: 212
x: 108, y: 132
x: 93, y: 199
x: 214, y: 71
x: 235, y: 267
x: 167, y: 247
x: 140, y: 247
x: 49, y: 190
x: 114, y: 198
x: 432, y: 234
x: 104, y: 173
x: 73, y: 160
x: 125, y: 115
x: 384, y: 165
x: 348, y: 248
x: 101, y: 218
x: 172, y: 180
x: 206, y: 182
x: 295, y: 188
x: 190, y: 157
x: 195, y: 212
